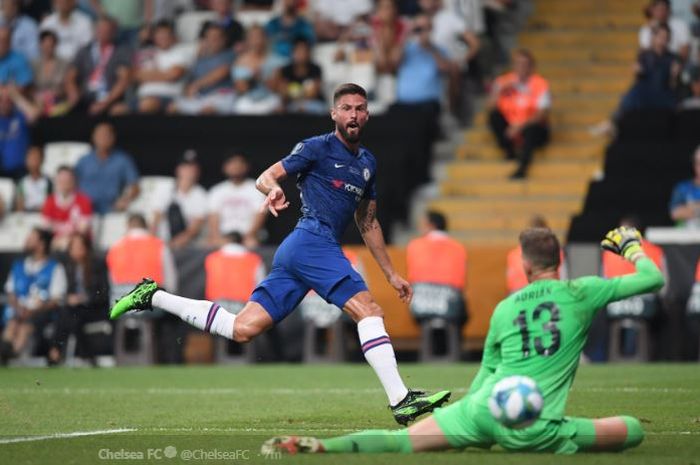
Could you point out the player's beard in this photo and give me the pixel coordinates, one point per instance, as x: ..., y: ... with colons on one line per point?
x: 348, y: 138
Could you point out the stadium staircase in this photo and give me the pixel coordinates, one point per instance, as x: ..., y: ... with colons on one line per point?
x: 586, y: 50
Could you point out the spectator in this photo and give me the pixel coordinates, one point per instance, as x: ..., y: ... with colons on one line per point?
x: 208, y: 83
x: 14, y: 68
x: 35, y: 287
x: 337, y: 19
x: 255, y: 76
x: 66, y: 211
x: 389, y: 32
x: 182, y: 213
x: 87, y: 299
x: 107, y: 175
x: 34, y: 187
x: 437, y: 270
x: 16, y: 115
x: 234, y: 205
x: 659, y: 12
x: 450, y: 34
x: 25, y: 32
x: 419, y: 78
x: 139, y: 254
x: 160, y: 10
x: 283, y: 29
x: 128, y: 14
x: 161, y: 76
x: 73, y: 28
x: 300, y: 82
x: 235, y: 33
x: 50, y: 77
x: 99, y: 76
x: 658, y: 70
x: 685, y: 200
x: 520, y: 103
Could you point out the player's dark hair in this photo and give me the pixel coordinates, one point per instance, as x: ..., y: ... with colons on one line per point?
x: 541, y: 248
x: 137, y: 220
x: 437, y: 219
x: 348, y: 89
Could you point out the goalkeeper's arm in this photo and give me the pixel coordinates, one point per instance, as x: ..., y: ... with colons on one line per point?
x: 648, y: 278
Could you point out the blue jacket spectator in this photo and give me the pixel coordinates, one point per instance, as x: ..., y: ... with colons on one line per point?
x: 420, y: 67
x: 25, y: 31
x: 685, y: 200
x: 14, y: 68
x: 284, y: 29
x: 35, y: 287
x: 107, y: 175
x: 16, y: 114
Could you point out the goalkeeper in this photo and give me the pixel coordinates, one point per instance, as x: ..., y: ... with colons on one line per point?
x: 539, y: 332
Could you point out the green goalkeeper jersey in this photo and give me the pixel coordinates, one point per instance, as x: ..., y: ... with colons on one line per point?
x: 540, y: 331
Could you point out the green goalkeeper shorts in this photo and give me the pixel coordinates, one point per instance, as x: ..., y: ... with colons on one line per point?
x: 468, y: 423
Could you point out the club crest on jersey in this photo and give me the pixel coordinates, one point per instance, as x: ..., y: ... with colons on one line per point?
x: 298, y: 148
x: 366, y: 174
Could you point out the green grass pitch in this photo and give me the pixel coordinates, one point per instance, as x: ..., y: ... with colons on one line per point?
x: 221, y: 414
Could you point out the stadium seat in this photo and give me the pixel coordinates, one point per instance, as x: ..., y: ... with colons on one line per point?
x: 452, y: 341
x: 190, y: 23
x: 153, y: 188
x: 57, y: 154
x: 112, y: 228
x: 7, y: 193
x: 138, y: 351
x: 14, y: 230
x: 624, y: 328
x: 254, y: 17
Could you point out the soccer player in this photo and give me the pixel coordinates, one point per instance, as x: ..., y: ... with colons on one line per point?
x: 336, y: 176
x: 539, y: 332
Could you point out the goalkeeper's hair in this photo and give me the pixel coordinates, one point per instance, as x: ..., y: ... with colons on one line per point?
x: 541, y: 248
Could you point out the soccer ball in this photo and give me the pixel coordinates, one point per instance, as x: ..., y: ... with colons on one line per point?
x: 516, y: 401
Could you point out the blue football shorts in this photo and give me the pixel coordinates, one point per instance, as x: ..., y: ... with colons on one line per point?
x: 302, y: 262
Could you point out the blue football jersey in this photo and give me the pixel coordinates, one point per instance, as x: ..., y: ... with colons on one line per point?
x: 332, y: 181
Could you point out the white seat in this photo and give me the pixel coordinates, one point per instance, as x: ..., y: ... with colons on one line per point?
x: 15, y: 228
x: 7, y: 193
x: 153, y: 190
x: 112, y: 229
x: 57, y: 154
x: 190, y: 23
x: 254, y: 17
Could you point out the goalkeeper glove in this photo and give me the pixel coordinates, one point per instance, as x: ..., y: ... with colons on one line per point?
x: 624, y: 241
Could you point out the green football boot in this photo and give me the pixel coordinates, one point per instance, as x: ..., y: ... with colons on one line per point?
x: 138, y: 299
x: 416, y: 403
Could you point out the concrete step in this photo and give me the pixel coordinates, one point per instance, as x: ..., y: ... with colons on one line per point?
x: 604, y: 55
x: 581, y: 39
x: 561, y: 119
x: 567, y: 21
x: 591, y: 151
x: 501, y: 223
x: 567, y: 135
x: 505, y: 188
x: 482, y: 171
x: 495, y: 238
x: 530, y: 206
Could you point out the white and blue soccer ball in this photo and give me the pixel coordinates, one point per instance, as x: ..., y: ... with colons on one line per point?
x: 516, y: 401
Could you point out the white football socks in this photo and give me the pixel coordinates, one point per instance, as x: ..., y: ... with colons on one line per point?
x: 379, y: 353
x: 202, y: 314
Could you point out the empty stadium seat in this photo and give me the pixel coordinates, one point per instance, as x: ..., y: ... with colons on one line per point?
x: 112, y: 228
x: 14, y: 229
x: 153, y: 189
x: 57, y: 154
x: 7, y: 192
x: 190, y: 23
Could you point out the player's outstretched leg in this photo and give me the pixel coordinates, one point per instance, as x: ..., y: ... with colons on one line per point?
x: 202, y: 314
x: 406, y: 405
x: 607, y: 434
x: 424, y: 436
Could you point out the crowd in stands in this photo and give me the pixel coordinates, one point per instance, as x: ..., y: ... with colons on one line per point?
x: 240, y: 57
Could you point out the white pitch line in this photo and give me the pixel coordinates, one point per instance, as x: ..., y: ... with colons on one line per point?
x: 75, y: 434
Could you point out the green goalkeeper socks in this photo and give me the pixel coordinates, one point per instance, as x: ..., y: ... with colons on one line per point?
x: 370, y: 441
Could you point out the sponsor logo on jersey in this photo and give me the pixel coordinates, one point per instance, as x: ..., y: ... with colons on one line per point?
x: 347, y: 187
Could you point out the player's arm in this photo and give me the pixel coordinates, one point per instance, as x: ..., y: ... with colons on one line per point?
x: 371, y: 230
x: 268, y: 184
